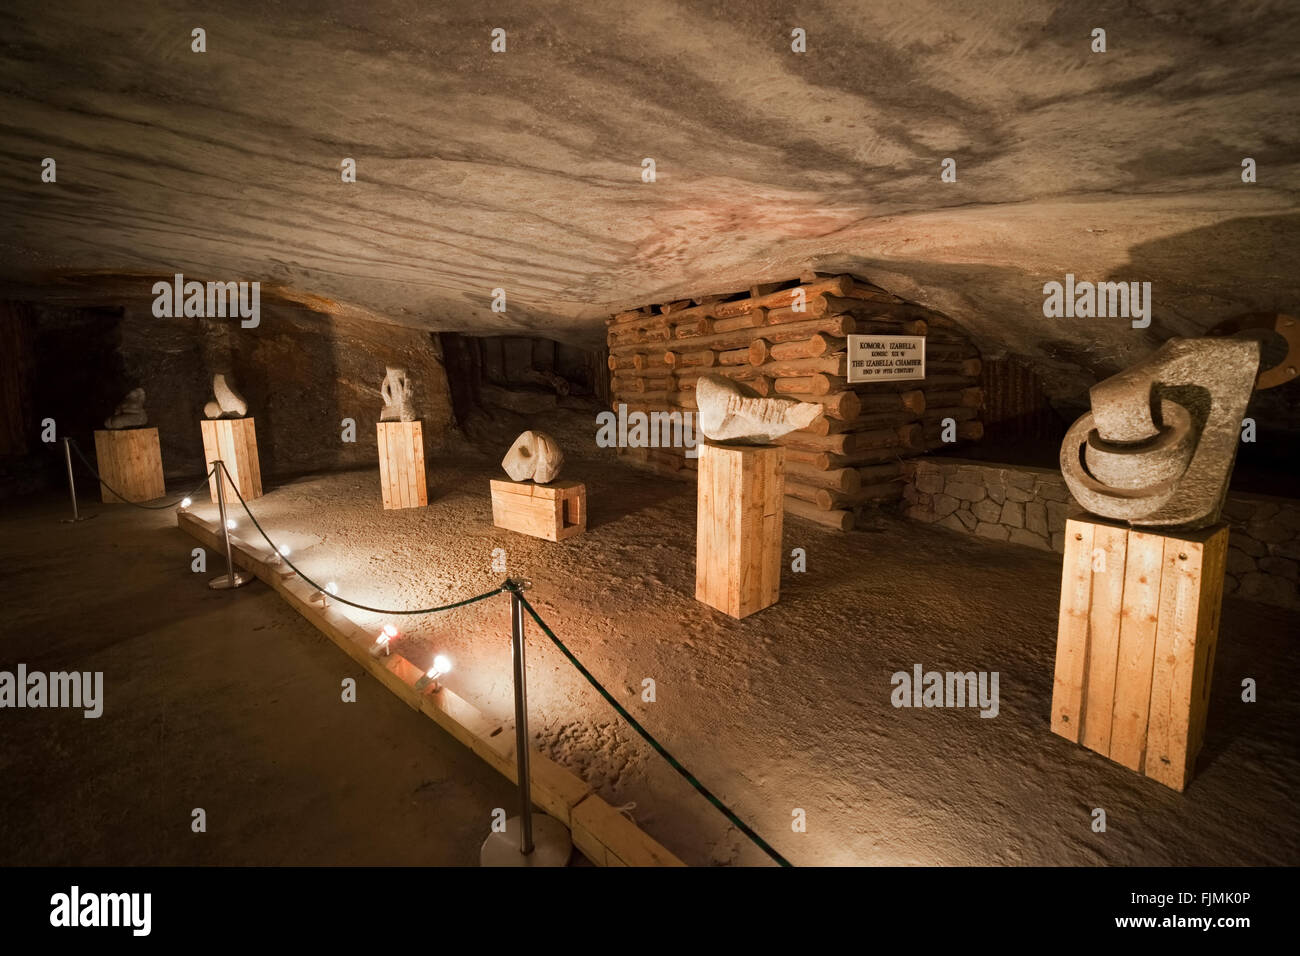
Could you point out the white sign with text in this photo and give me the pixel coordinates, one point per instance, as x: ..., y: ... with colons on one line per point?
x: 877, y: 358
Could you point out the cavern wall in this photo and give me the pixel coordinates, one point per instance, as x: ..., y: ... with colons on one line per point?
x: 302, y: 373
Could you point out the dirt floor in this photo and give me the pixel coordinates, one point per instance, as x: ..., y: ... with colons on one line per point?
x: 788, y: 709
x: 227, y: 702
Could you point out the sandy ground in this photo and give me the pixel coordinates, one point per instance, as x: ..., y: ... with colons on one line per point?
x: 790, y: 708
x: 228, y: 702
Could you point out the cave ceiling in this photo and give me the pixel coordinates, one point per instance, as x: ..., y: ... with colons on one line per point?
x: 523, y: 170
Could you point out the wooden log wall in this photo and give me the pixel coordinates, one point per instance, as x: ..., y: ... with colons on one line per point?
x: 850, y: 458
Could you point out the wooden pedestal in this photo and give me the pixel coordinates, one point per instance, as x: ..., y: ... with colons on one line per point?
x: 234, y: 441
x: 401, y: 464
x: 554, y: 512
x: 129, y: 459
x: 738, y: 527
x: 1135, y: 647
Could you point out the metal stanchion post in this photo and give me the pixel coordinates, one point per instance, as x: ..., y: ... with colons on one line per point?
x: 232, y: 578
x: 526, y: 840
x: 72, y: 486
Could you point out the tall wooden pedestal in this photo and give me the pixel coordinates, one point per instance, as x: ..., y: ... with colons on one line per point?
x: 130, y: 460
x: 234, y: 441
x: 553, y: 512
x: 1135, y: 646
x: 401, y: 465
x: 738, y: 527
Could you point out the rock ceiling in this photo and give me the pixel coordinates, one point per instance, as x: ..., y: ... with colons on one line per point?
x: 523, y: 170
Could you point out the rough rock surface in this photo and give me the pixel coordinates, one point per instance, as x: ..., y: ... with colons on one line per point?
x: 1263, y: 545
x: 524, y: 171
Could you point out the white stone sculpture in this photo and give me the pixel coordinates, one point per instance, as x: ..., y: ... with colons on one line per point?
x: 534, y: 455
x: 398, y: 395
x: 228, y: 403
x: 129, y: 412
x: 730, y: 413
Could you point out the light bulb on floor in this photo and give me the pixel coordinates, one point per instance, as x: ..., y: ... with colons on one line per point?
x: 230, y: 524
x: 381, y: 642
x: 186, y: 502
x: 441, y: 667
x: 284, y: 550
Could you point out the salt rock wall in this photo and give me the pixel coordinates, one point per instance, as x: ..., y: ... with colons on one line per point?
x: 1029, y: 506
x: 301, y: 372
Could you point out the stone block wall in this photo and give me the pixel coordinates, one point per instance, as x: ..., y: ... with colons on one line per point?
x: 1028, y: 506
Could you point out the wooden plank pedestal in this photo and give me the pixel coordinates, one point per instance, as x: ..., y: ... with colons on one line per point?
x: 401, y: 464
x: 129, y: 459
x: 740, y: 496
x: 234, y: 441
x: 1135, y: 646
x: 553, y: 512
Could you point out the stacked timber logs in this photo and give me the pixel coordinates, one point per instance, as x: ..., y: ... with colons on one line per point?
x: 790, y: 340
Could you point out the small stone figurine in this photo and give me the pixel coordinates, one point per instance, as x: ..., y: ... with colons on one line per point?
x: 129, y: 412
x: 228, y: 403
x: 398, y: 393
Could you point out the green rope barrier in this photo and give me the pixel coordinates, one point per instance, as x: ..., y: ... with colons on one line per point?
x: 335, y: 597
x: 726, y: 811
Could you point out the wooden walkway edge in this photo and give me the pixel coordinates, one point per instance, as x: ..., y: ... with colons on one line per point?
x: 603, y: 834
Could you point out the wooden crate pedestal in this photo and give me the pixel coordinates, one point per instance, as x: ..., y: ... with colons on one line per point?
x: 1135, y: 646
x: 129, y: 459
x: 553, y: 512
x: 401, y: 464
x: 234, y: 441
x: 738, y: 527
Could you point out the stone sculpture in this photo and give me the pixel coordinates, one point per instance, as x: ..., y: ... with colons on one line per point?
x: 398, y: 395
x: 733, y: 414
x: 1157, y: 449
x: 534, y: 455
x: 228, y: 403
x: 129, y: 412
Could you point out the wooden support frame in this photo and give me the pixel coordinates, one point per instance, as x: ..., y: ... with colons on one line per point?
x: 603, y: 834
x: 402, y: 481
x: 552, y: 512
x: 739, y: 511
x: 234, y: 441
x: 1139, y: 624
x: 130, y: 460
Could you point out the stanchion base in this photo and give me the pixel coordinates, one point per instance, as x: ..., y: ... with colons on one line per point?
x: 552, y: 845
x: 224, y: 583
x: 77, y: 519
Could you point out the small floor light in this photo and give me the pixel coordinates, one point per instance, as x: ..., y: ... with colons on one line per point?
x: 381, y: 642
x: 277, y: 561
x: 324, y: 596
x: 231, y: 524
x: 185, y: 503
x: 441, y: 668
